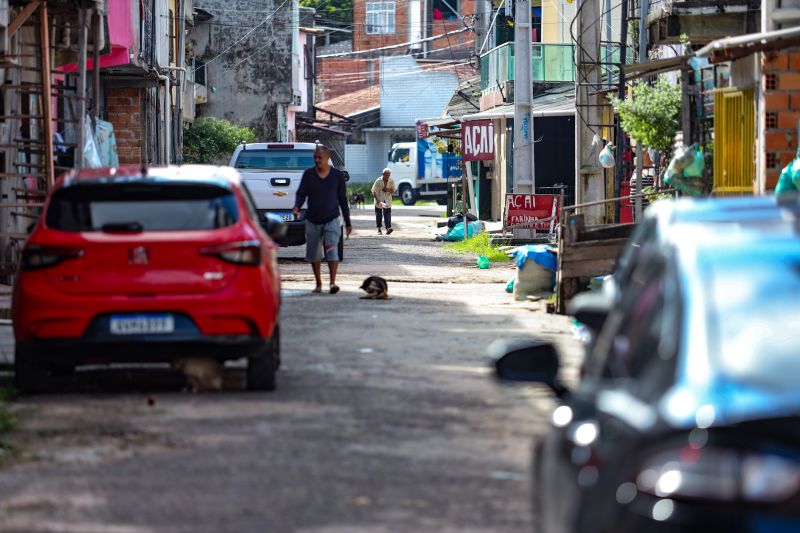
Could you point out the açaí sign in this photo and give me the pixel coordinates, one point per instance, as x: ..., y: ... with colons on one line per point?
x: 536, y: 211
x: 477, y: 140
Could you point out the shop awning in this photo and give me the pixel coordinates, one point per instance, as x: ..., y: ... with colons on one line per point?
x: 741, y: 46
x: 651, y: 68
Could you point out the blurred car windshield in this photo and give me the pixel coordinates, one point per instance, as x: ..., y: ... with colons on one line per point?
x: 276, y: 159
x: 149, y: 207
x: 757, y: 313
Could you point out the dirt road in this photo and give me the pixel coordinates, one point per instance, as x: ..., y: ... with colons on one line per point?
x: 385, y: 419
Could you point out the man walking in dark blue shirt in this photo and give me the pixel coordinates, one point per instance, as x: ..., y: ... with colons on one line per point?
x: 325, y: 189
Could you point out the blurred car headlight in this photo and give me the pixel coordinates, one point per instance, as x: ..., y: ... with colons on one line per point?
x: 719, y: 474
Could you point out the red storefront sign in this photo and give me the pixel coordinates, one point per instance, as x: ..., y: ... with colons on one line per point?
x: 536, y: 211
x: 477, y: 140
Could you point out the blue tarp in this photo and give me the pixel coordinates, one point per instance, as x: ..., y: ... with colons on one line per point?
x: 536, y: 252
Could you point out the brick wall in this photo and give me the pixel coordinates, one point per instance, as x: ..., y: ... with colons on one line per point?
x: 362, y: 41
x: 342, y: 75
x: 781, y: 85
x: 124, y: 110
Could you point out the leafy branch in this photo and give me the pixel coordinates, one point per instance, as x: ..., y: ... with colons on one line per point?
x: 652, y: 115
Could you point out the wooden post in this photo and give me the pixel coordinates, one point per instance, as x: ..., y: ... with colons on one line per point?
x: 464, y: 193
x: 47, y: 97
x: 96, y: 21
x: 81, y: 86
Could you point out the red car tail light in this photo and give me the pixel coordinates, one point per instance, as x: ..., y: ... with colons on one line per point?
x: 36, y: 256
x: 240, y: 253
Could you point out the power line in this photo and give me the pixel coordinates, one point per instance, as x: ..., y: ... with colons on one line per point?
x: 395, y: 46
x: 246, y: 35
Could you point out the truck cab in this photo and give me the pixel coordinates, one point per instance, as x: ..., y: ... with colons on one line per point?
x: 421, y: 172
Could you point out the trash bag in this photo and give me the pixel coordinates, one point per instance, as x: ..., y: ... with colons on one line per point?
x: 607, y: 157
x: 536, y: 267
x: 452, y: 221
x: 483, y: 262
x: 696, y: 167
x: 539, y: 253
x: 510, y: 285
x: 789, y: 180
x: 689, y: 179
x: 456, y: 233
x: 684, y: 156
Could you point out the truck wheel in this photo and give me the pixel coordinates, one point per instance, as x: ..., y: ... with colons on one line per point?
x: 28, y: 376
x: 441, y: 201
x: 261, y: 370
x: 341, y: 246
x: 407, y: 195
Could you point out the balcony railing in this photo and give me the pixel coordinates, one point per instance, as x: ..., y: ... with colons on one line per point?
x: 551, y: 63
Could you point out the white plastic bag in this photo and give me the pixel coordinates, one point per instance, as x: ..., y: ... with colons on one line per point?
x: 607, y: 157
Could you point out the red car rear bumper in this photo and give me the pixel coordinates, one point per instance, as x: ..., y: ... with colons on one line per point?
x: 243, y: 309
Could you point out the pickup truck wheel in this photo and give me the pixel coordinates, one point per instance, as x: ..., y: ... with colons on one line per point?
x: 29, y: 377
x: 441, y: 201
x: 261, y: 370
x: 407, y: 195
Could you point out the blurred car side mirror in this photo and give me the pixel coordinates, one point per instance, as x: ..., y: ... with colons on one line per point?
x: 527, y: 360
x: 274, y: 226
x: 591, y: 309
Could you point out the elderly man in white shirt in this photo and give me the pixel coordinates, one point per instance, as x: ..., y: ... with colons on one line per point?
x: 382, y: 190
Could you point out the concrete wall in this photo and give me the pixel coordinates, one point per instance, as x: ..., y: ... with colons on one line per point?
x: 556, y: 18
x: 356, y: 163
x: 253, y: 80
x: 410, y: 93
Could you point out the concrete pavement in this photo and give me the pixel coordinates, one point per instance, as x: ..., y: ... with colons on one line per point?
x: 386, y: 418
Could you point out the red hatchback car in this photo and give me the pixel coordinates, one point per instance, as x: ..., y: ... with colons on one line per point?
x: 148, y: 265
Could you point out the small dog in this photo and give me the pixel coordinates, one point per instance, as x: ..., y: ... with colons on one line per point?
x: 357, y: 200
x: 376, y: 288
x: 203, y: 374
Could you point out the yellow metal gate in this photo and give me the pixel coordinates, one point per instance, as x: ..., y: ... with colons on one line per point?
x: 734, y: 141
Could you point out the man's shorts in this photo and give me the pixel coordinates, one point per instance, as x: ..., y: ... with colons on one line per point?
x: 323, y: 240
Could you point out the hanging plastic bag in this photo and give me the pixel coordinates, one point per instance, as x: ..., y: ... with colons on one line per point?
x: 91, y: 155
x: 789, y: 181
x: 684, y: 156
x: 607, y: 157
x: 695, y: 169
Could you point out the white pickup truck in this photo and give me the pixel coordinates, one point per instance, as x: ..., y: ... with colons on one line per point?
x: 272, y: 173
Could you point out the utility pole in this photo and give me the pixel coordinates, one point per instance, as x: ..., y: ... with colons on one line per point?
x: 589, y: 182
x: 619, y: 169
x: 637, y: 206
x: 524, y: 179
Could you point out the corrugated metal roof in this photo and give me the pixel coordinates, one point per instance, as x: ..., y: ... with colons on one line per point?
x: 556, y: 102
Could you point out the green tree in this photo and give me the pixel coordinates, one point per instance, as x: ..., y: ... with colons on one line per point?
x: 652, y: 115
x: 338, y: 10
x: 208, y: 139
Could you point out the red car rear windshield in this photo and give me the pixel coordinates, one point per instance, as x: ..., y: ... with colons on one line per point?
x: 142, y: 207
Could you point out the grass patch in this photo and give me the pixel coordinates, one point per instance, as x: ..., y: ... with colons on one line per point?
x: 480, y: 245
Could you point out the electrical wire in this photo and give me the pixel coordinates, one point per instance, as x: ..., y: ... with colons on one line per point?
x: 245, y: 36
x: 394, y: 46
